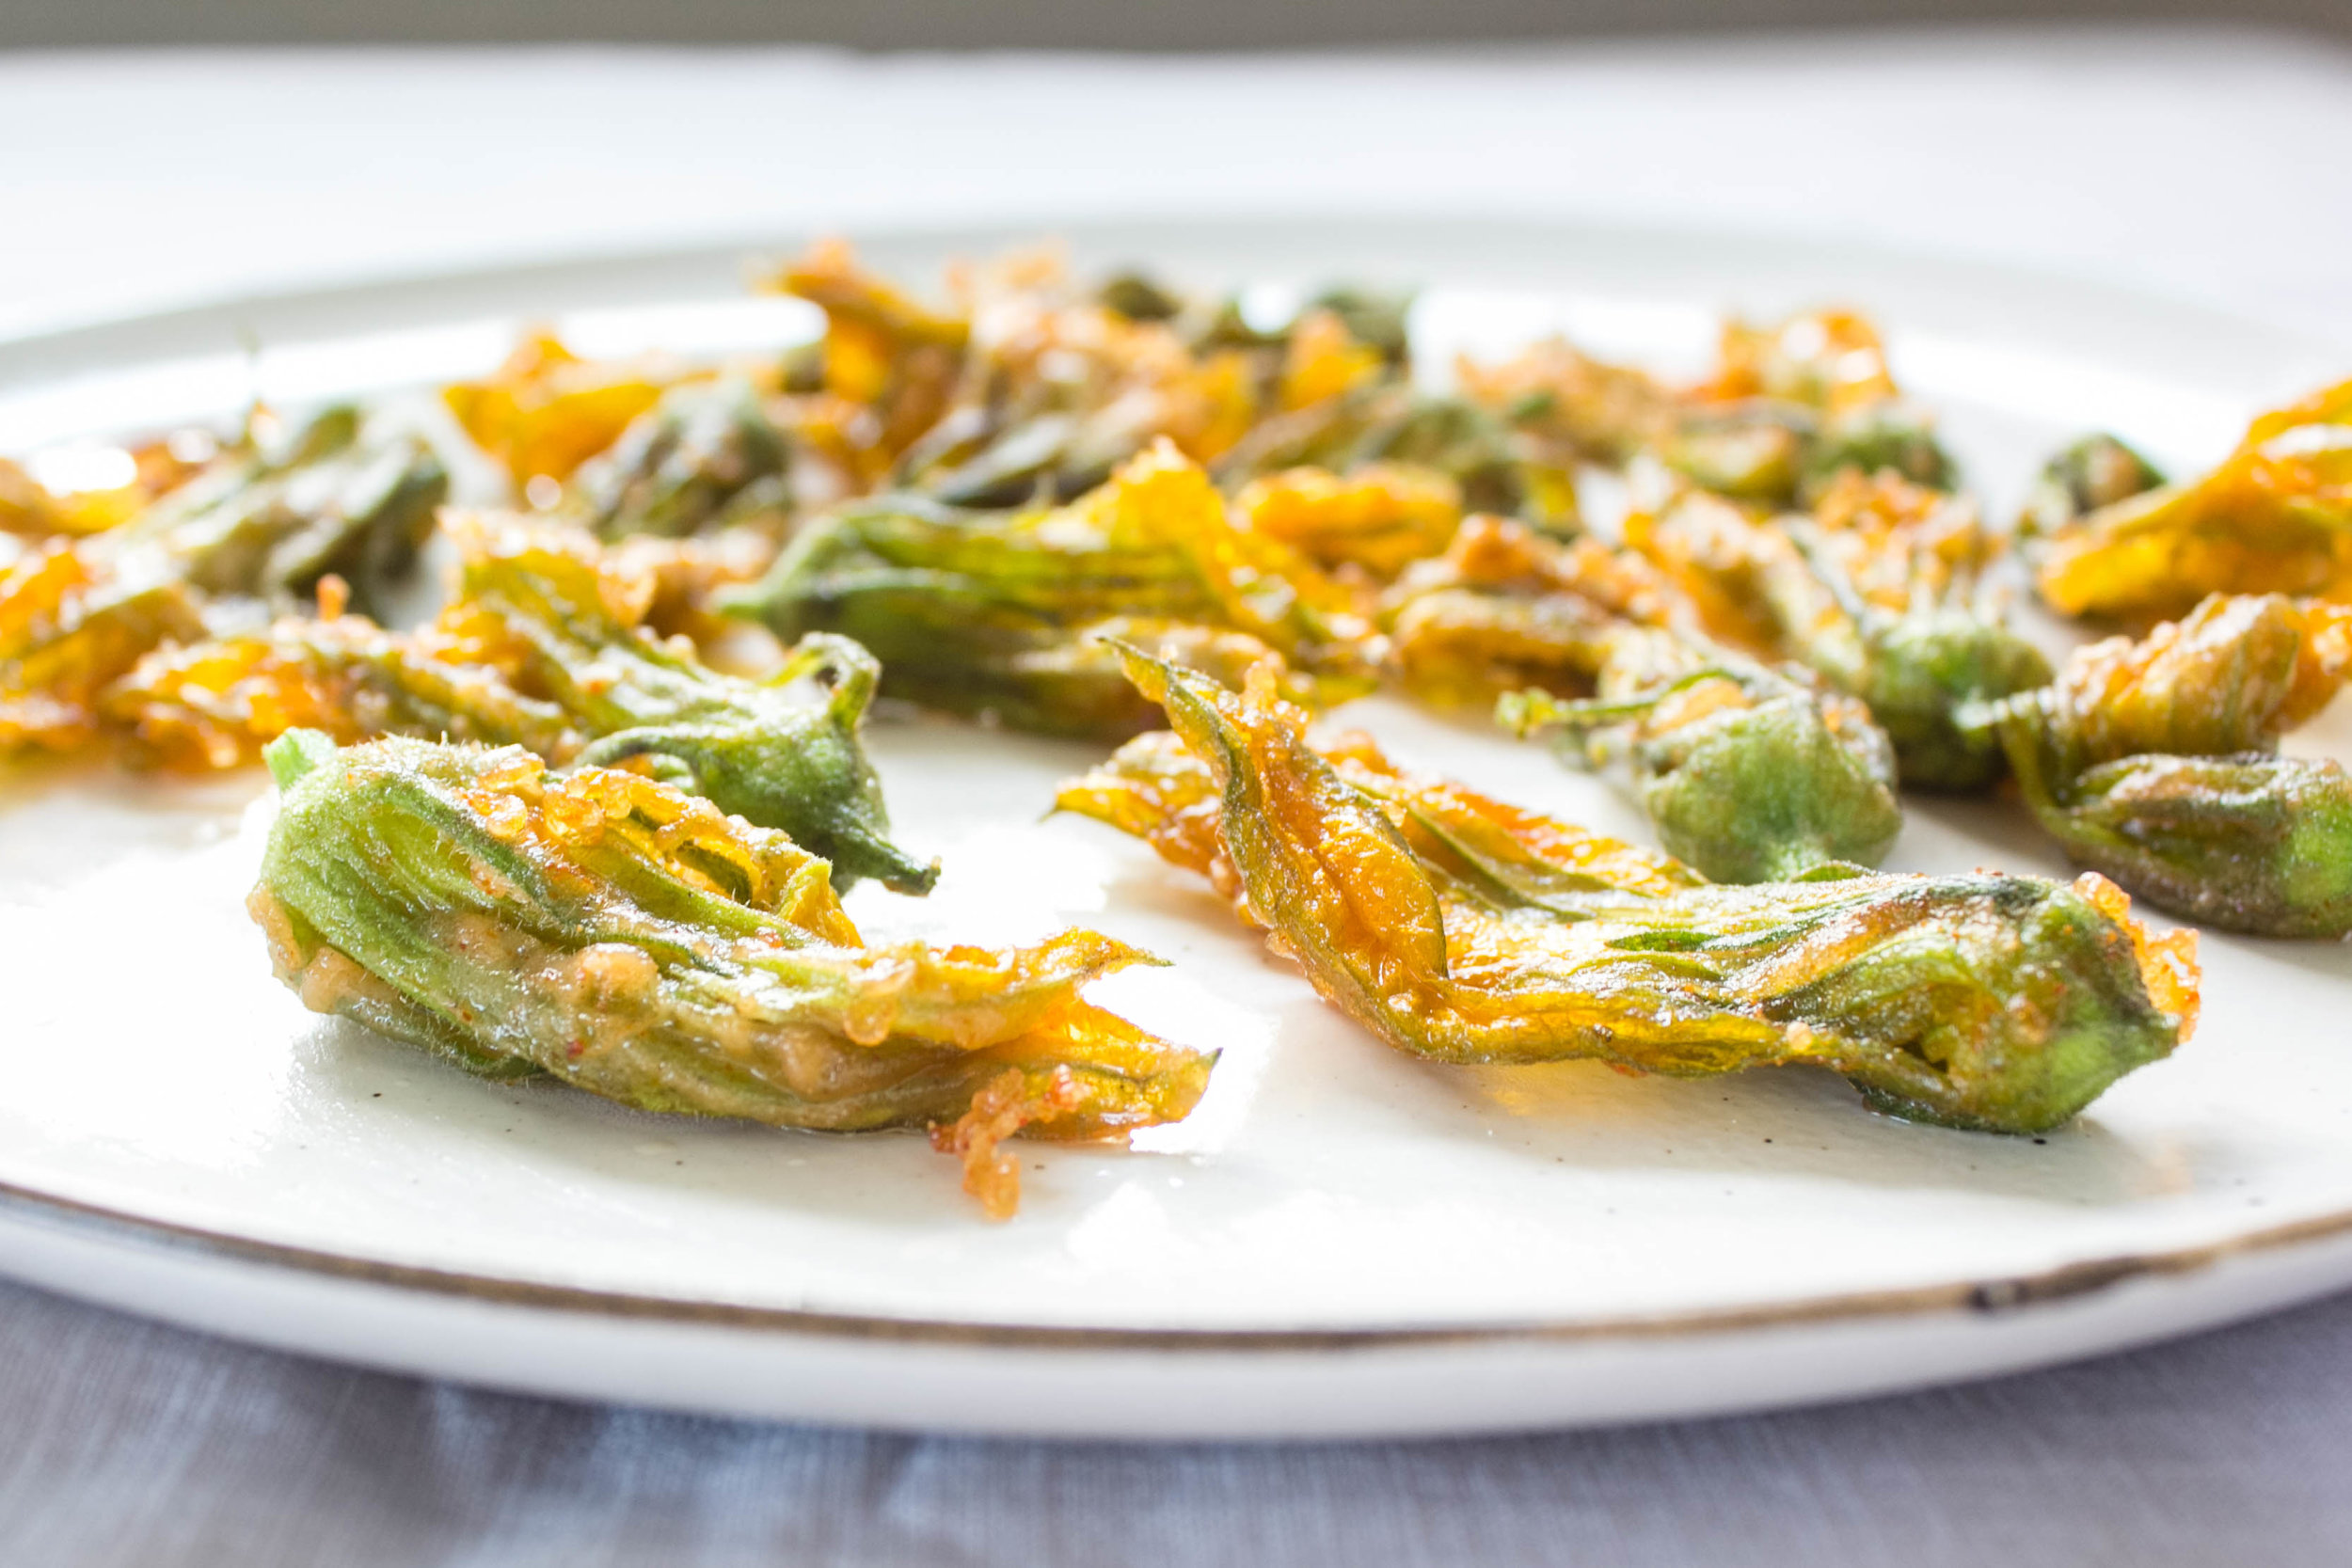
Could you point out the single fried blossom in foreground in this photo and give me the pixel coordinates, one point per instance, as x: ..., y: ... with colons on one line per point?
x: 1463, y: 929
x: 606, y: 930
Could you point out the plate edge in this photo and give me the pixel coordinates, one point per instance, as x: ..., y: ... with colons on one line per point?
x: 1976, y: 1298
x: 740, y: 248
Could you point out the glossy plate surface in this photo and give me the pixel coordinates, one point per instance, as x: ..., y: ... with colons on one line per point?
x: 1340, y: 1240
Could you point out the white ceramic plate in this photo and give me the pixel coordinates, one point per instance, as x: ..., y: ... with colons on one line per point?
x: 1340, y: 1240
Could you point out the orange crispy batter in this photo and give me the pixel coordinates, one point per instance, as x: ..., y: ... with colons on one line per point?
x: 2274, y: 517
x: 2232, y: 676
x: 1382, y: 517
x: 1005, y: 1105
x: 546, y: 411
x: 1324, y: 361
x: 1830, y: 359
x: 2167, y: 962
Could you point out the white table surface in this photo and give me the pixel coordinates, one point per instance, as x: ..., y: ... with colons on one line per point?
x: 2206, y: 164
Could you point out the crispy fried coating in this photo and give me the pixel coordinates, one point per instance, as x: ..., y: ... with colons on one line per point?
x: 996, y: 615
x: 1880, y: 591
x: 546, y: 410
x: 2155, y: 761
x: 1379, y: 519
x: 1507, y: 608
x: 1748, y: 774
x: 1457, y: 928
x: 609, y: 931
x: 266, y: 520
x: 2274, y: 517
x: 545, y: 647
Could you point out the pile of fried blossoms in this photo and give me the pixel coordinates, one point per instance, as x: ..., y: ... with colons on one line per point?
x: 591, y: 819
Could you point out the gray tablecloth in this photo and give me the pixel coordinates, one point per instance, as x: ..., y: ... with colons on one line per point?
x: 2206, y: 164
x: 125, y: 1443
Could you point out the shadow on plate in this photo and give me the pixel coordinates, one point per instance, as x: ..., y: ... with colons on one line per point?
x: 1806, y: 1122
x: 542, y: 1138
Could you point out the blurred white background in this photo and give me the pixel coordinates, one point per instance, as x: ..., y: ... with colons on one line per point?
x: 2201, y: 162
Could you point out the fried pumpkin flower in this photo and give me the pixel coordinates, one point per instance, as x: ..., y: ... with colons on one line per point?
x: 65, y: 636
x: 1060, y: 387
x: 606, y: 930
x: 703, y: 451
x: 1390, y: 421
x: 1345, y: 401
x: 1788, y: 407
x: 543, y: 648
x: 1830, y: 360
x: 2274, y: 517
x: 546, y: 410
x: 1461, y: 930
x: 2154, y: 762
x: 1031, y: 390
x: 995, y: 615
x: 1582, y: 408
x: 1882, y: 592
x: 277, y: 512
x: 1793, y: 405
x: 884, y: 350
x: 1380, y: 520
x: 122, y: 482
x: 268, y: 520
x: 1747, y: 774
x: 2087, y: 474
x: 1506, y: 607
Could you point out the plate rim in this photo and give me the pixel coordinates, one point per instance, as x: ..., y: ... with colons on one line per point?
x: 1966, y: 1298
x: 742, y: 249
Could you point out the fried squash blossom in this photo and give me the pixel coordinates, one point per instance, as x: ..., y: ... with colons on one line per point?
x: 604, y: 929
x: 1463, y: 929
